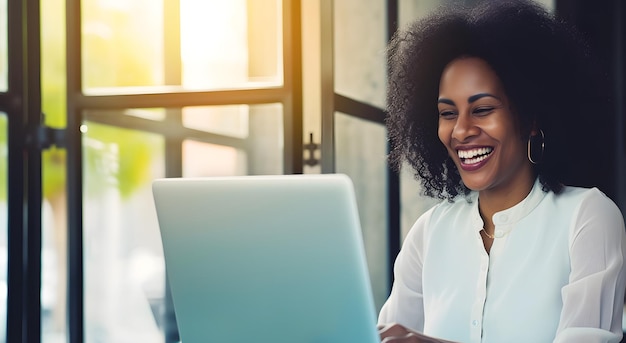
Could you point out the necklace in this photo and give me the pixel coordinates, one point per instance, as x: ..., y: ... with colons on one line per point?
x: 488, y: 235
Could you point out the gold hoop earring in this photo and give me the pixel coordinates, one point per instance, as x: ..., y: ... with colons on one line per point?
x: 531, y: 142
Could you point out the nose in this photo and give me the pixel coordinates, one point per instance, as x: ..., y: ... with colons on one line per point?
x: 464, y: 128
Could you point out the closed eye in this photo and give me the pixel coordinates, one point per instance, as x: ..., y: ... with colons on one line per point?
x: 483, y: 110
x: 447, y: 114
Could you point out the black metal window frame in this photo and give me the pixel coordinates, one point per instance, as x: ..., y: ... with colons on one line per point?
x: 333, y: 102
x: 27, y: 138
x: 22, y: 105
x: 172, y: 129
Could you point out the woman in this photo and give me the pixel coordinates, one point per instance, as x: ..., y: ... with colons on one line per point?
x: 493, y: 108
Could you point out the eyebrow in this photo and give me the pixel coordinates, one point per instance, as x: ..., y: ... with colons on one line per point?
x: 480, y: 95
x: 470, y: 99
x: 445, y: 101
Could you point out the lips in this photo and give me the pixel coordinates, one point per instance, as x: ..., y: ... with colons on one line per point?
x: 474, y: 158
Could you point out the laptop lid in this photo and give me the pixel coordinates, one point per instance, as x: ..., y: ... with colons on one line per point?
x: 266, y: 259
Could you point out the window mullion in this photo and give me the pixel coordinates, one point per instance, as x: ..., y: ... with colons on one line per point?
x: 16, y: 259
x: 75, y: 288
x: 34, y: 187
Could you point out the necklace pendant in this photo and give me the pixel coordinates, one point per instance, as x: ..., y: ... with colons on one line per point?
x: 488, y: 235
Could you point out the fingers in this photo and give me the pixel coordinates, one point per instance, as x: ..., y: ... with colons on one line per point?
x: 392, y: 330
x: 396, y: 333
x: 410, y: 337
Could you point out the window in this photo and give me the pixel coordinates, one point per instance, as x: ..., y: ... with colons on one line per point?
x: 170, y: 89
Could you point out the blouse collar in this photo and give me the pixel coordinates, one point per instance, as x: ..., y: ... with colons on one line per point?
x: 504, y: 219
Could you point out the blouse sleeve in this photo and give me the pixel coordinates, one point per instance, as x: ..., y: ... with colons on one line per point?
x: 593, y: 300
x: 405, y: 304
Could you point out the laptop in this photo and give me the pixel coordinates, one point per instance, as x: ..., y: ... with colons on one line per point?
x: 266, y: 259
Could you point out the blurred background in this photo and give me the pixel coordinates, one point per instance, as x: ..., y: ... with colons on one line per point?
x: 100, y: 97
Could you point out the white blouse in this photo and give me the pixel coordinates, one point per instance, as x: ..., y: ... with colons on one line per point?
x: 555, y: 272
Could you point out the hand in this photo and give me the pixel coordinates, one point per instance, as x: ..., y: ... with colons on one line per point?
x: 396, y: 333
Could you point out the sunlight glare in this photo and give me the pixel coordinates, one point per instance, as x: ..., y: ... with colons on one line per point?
x: 213, y: 43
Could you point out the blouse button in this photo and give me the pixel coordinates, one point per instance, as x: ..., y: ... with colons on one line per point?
x: 499, y: 234
x: 475, y: 322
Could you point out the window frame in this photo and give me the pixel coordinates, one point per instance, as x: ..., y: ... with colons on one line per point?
x: 22, y: 104
x: 333, y: 102
x: 289, y: 95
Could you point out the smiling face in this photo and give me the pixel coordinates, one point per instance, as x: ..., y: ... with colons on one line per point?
x: 479, y: 130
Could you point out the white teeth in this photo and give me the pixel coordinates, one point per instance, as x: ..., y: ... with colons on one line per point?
x: 474, y: 155
x: 475, y: 160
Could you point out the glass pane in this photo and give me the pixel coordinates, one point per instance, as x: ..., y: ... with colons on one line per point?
x: 360, y: 41
x: 54, y: 246
x: 204, y: 159
x: 53, y: 67
x: 311, y: 78
x: 124, y: 281
x: 410, y: 10
x: 122, y: 43
x: 231, y: 44
x: 229, y: 120
x: 4, y: 58
x: 256, y: 149
x: 222, y: 44
x: 3, y: 225
x: 361, y: 150
x: 412, y: 203
x: 54, y: 206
